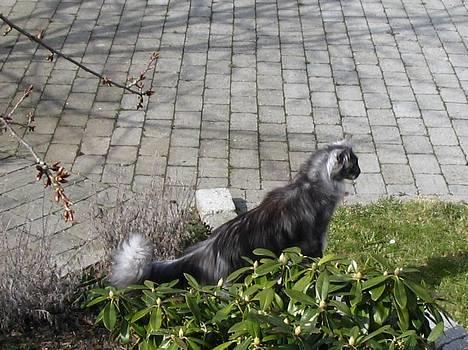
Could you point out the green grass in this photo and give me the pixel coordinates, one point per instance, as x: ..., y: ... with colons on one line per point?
x: 429, y: 235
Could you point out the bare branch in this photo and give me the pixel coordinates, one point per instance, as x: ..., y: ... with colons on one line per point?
x: 53, y: 52
x: 7, y: 121
x: 151, y: 64
x: 54, y: 175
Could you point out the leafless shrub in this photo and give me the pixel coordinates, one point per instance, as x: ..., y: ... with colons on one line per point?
x: 164, y: 217
x: 32, y: 287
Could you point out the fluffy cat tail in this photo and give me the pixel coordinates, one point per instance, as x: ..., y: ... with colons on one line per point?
x: 132, y: 262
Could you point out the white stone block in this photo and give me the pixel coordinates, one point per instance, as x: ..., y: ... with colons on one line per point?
x: 215, y: 206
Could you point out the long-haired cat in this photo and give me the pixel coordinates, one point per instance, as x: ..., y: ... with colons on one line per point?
x: 297, y: 214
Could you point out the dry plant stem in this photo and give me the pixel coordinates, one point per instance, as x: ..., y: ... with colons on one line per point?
x: 106, y: 80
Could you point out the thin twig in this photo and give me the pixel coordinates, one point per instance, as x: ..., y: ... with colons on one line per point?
x: 104, y: 79
x: 51, y: 179
x: 142, y: 76
x: 6, y: 124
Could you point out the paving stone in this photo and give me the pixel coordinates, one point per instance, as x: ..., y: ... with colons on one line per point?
x: 215, y: 112
x: 118, y: 174
x: 424, y: 163
x: 406, y: 109
x: 397, y: 174
x: 185, y: 138
x: 126, y: 136
x: 355, y: 125
x: 243, y: 121
x: 213, y: 148
x: 124, y: 155
x: 455, y: 174
x: 295, y: 76
x: 141, y: 183
x: 244, y: 104
x: 188, y: 103
x: 245, y: 178
x: 328, y: 133
x: 274, y: 170
x: 273, y: 150
x: 268, y: 82
x: 217, y: 96
x: 212, y: 182
x: 301, y: 142
x: 88, y: 164
x: 411, y: 126
x: 152, y: 165
x: 73, y: 118
x: 95, y: 145
x: 244, y: 139
x: 182, y: 175
x: 243, y: 74
x: 461, y: 127
x: 430, y: 102
x: 435, y: 118
x: 217, y: 81
x: 349, y: 92
x: 213, y: 167
x: 370, y: 184
x: 391, y: 153
x: 243, y: 88
x: 244, y: 158
x: 154, y: 145
x: 183, y: 156
x: 442, y: 136
x: 130, y: 119
x: 46, y: 125
x: 157, y: 110
x: 368, y: 162
x: 272, y: 132
x: 214, y: 130
x: 453, y: 95
x: 68, y: 135
x: 402, y: 190
x: 300, y: 124
x: 386, y: 134
x: 270, y: 98
x: 429, y: 184
x: 49, y: 108
x: 297, y: 107
x: 450, y: 155
x: 401, y: 93
x: 457, y: 110
x: 324, y: 99
x: 190, y: 88
x: 326, y: 116
x: 417, y: 144
x: 296, y: 90
x: 352, y: 108
x: 297, y: 159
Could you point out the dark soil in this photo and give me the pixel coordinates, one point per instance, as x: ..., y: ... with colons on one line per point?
x: 81, y: 334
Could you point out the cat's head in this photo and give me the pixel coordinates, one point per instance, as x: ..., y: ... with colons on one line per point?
x: 342, y: 163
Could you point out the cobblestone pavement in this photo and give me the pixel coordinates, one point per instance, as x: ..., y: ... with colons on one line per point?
x: 245, y: 90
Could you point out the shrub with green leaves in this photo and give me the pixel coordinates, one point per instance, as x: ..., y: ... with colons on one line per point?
x: 285, y: 302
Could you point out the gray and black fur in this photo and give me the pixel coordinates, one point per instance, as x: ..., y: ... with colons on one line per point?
x: 297, y: 214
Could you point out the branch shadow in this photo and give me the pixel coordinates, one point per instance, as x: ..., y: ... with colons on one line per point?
x: 439, y: 267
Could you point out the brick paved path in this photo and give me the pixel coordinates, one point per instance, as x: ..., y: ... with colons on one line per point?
x: 244, y: 91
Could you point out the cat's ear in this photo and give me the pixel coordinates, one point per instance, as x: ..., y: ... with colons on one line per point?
x: 342, y: 158
x: 337, y: 160
x: 346, y: 141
